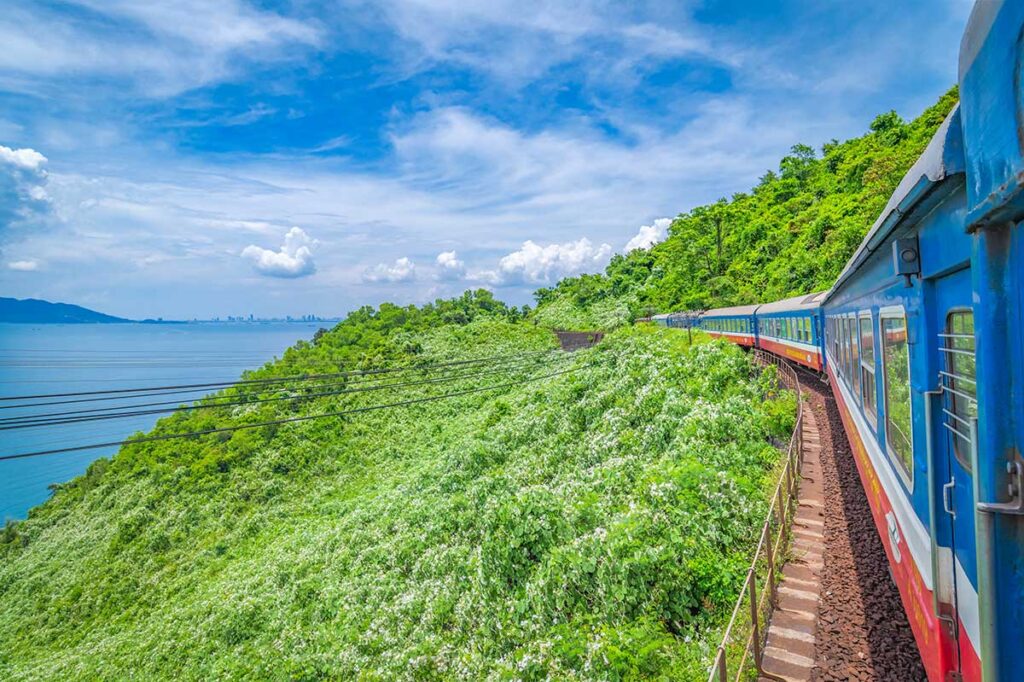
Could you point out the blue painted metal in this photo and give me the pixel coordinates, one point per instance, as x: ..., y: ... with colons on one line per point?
x: 992, y: 100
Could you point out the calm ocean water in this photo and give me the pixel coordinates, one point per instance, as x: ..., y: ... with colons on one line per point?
x: 57, y: 358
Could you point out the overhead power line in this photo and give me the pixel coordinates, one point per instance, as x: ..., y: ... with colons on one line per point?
x: 127, y: 411
x: 288, y: 420
x: 160, y: 390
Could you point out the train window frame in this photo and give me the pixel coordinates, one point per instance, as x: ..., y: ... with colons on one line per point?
x: 835, y: 341
x: 851, y: 333
x: 843, y: 341
x: 951, y: 384
x: 905, y: 469
x: 868, y: 367
x: 846, y: 349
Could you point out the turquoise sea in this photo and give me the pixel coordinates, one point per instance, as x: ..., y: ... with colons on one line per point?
x: 74, y: 358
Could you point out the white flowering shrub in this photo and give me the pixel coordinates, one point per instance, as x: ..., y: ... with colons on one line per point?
x: 590, y: 526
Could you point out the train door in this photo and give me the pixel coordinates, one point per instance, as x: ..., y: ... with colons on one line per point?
x: 954, y: 438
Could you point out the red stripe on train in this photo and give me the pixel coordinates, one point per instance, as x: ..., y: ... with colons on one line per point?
x: 741, y: 339
x: 805, y: 357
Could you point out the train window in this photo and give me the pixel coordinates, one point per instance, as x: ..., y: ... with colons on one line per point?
x: 807, y: 329
x: 845, y: 321
x: 867, y: 365
x: 799, y: 324
x: 960, y: 382
x: 842, y: 345
x: 854, y: 359
x: 851, y: 347
x: 896, y: 369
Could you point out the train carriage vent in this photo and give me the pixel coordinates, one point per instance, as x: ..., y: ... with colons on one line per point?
x: 959, y: 382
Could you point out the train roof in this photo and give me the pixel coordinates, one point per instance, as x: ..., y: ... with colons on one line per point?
x: 804, y: 302
x: 735, y: 310
x: 942, y: 158
x: 662, y: 316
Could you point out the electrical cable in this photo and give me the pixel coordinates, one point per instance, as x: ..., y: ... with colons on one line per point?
x: 159, y: 390
x: 288, y: 420
x: 73, y: 417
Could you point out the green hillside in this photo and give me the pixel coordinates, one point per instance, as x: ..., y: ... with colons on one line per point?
x: 593, y: 524
x: 584, y: 516
x: 790, y: 235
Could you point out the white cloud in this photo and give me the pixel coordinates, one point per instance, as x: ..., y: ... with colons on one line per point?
x: 28, y: 159
x: 533, y: 264
x: 165, y: 47
x: 23, y: 181
x: 23, y: 265
x: 403, y: 270
x: 649, y: 235
x: 294, y: 259
x: 449, y: 267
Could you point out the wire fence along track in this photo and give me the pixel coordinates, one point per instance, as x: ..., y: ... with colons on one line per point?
x: 288, y: 420
x: 744, y: 638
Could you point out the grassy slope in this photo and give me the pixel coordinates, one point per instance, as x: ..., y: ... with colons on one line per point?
x: 583, y: 526
x: 790, y: 235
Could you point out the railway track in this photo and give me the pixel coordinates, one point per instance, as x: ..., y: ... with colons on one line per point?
x: 839, y: 617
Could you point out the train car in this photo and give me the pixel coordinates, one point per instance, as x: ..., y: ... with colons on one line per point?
x: 660, y: 320
x: 924, y: 351
x: 923, y: 345
x: 737, y: 324
x: 792, y: 328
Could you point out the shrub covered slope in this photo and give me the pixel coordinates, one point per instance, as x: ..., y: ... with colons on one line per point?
x: 590, y: 525
x: 790, y: 235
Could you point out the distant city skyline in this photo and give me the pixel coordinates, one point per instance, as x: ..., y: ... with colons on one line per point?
x: 182, y: 159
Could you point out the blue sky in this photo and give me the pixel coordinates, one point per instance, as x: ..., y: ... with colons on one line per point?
x: 195, y: 159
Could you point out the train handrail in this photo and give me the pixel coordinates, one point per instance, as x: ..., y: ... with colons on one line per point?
x: 769, y: 551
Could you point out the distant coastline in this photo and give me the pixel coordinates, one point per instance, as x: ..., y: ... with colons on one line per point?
x: 38, y: 311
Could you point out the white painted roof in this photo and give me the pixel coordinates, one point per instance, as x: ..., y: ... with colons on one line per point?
x: 805, y: 302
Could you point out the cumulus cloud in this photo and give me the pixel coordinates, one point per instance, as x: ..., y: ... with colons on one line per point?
x: 294, y: 259
x: 23, y: 265
x: 536, y: 264
x: 23, y: 180
x: 449, y: 267
x: 403, y: 270
x: 649, y: 235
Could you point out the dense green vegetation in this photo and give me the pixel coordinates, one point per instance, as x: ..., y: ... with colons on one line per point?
x: 790, y: 235
x: 591, y: 517
x: 589, y: 525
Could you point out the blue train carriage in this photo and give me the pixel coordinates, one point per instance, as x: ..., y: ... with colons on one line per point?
x: 792, y: 328
x: 660, y: 320
x: 924, y: 332
x: 736, y: 324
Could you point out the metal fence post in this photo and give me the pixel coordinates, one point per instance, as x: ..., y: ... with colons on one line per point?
x: 755, y: 618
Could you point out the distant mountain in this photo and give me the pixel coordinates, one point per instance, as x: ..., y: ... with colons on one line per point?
x: 34, y: 311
